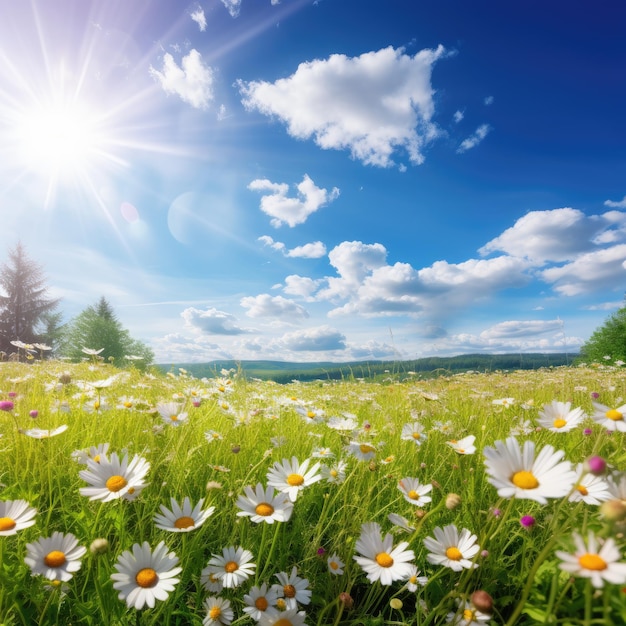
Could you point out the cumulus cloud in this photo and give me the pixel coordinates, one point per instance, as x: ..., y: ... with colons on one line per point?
x: 371, y: 105
x: 474, y: 139
x: 593, y: 271
x: 192, y: 81
x: 212, y: 321
x: 301, y: 286
x: 233, y: 7
x: 556, y: 235
x: 621, y: 204
x: 197, y: 15
x: 525, y: 328
x: 458, y: 116
x: 291, y: 211
x: 313, y: 250
x: 316, y: 339
x: 277, y: 307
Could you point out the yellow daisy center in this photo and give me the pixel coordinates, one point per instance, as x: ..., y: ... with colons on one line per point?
x: 524, y: 480
x: 282, y: 605
x: 582, y: 489
x: 592, y: 561
x: 115, y: 483
x: 310, y: 414
x: 174, y: 418
x: 454, y: 554
x: 283, y: 621
x: 365, y: 448
x: 413, y: 494
x: 261, y: 603
x: 334, y: 565
x: 97, y: 458
x: 383, y: 559
x: 184, y: 522
x: 469, y: 615
x: 215, y: 612
x: 559, y: 422
x: 231, y: 567
x: 264, y: 509
x: 416, y: 435
x: 413, y: 580
x: 334, y: 473
x: 289, y: 591
x: 295, y: 480
x: 146, y: 577
x: 56, y: 558
x: 615, y: 415
x: 128, y: 404
x: 221, y: 388
x: 7, y: 523
x: 96, y: 405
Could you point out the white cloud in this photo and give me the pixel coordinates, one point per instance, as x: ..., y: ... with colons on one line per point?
x: 621, y: 204
x: 458, y: 116
x: 277, y: 307
x: 473, y: 140
x: 371, y: 105
x: 292, y: 211
x: 192, y: 81
x: 604, y: 306
x: 212, y: 321
x: 488, y: 100
x: 233, y: 7
x: 593, y: 271
x: 199, y: 18
x: 313, y: 250
x: 514, y: 329
x: 314, y: 339
x: 301, y: 286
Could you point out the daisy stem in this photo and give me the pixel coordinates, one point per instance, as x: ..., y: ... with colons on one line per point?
x: 588, y: 603
x: 268, y: 559
x: 541, y: 557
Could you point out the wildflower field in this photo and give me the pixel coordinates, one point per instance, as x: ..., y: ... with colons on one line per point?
x: 132, y: 498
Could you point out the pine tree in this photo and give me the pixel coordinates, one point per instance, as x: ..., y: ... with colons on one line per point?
x: 98, y: 328
x: 607, y: 340
x: 23, y: 301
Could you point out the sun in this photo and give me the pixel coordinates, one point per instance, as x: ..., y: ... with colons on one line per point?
x: 58, y: 139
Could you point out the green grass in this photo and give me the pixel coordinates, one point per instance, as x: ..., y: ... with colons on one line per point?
x: 517, y: 566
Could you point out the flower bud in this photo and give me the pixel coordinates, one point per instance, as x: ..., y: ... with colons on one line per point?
x: 99, y: 546
x: 346, y: 600
x: 613, y: 510
x: 395, y: 603
x: 596, y: 465
x: 452, y: 501
x: 482, y: 601
x: 65, y: 378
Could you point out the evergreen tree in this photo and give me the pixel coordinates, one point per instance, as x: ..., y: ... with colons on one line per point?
x: 607, y: 340
x: 24, y: 301
x: 97, y: 328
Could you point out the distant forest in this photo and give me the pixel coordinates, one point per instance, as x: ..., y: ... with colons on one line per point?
x: 430, y: 367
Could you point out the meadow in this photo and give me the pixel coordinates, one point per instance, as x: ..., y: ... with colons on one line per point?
x: 144, y: 498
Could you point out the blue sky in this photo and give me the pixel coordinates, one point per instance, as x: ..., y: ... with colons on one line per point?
x: 320, y: 180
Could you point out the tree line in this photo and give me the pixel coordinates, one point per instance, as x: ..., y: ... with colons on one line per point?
x: 31, y: 324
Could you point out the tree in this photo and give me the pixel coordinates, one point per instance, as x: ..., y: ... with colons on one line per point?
x: 607, y: 340
x: 97, y: 328
x: 24, y: 299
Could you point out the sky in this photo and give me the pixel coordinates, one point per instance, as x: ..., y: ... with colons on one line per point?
x: 320, y: 180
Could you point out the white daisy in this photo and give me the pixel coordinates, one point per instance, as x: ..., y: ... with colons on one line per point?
x: 335, y: 565
x: 413, y: 432
x: 611, y: 419
x: 263, y: 505
x: 40, y: 433
x: 362, y: 451
x: 617, y: 485
x: 345, y: 423
x: 291, y: 477
x: 94, y: 452
x: 589, y: 562
x: 414, y: 492
x: 400, y: 522
x: 232, y: 567
x: 15, y: 515
x: 111, y: 478
x: 310, y: 415
x: 515, y: 472
x: 292, y: 588
x: 290, y: 617
x: 335, y: 473
x: 218, y: 611
x: 463, y: 446
x: 143, y: 576
x: 467, y: 615
x: 182, y: 519
x: 213, y: 435
x: 261, y: 601
x: 171, y: 413
x: 323, y: 453
x: 559, y: 417
x: 210, y: 581
x: 451, y: 549
x: 589, y: 488
x: 56, y: 557
x: 379, y: 559
x: 414, y: 580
